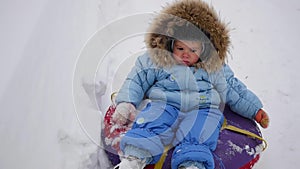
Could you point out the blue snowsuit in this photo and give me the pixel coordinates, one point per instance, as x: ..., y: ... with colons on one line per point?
x: 184, y: 109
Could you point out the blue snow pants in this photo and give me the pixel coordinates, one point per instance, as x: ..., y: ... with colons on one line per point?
x: 194, y: 134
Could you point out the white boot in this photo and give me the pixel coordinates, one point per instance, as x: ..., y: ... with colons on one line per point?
x: 191, y: 165
x: 131, y: 162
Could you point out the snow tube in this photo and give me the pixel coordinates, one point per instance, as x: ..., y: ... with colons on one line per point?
x: 239, y: 145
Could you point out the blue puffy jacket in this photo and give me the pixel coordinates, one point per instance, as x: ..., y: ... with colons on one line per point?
x: 187, y: 88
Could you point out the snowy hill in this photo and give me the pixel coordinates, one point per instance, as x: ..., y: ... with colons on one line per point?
x: 48, y: 120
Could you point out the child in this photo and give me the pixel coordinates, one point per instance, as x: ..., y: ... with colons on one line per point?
x: 185, y: 77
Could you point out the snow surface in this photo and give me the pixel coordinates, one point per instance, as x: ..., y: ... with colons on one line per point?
x: 49, y: 52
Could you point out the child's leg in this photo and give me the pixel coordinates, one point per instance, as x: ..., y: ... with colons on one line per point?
x: 152, y: 130
x: 197, y: 137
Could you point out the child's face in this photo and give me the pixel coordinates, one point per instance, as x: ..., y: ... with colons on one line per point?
x: 187, y: 52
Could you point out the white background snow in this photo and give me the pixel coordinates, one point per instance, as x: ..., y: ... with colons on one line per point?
x: 43, y: 43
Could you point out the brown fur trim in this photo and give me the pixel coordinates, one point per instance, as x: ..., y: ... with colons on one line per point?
x: 199, y: 14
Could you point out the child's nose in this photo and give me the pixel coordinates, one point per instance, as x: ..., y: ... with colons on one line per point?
x: 185, y: 54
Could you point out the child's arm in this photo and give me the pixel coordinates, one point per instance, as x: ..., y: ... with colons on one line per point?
x: 241, y: 100
x: 138, y: 81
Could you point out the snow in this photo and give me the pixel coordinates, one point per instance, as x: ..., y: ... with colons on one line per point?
x: 48, y: 51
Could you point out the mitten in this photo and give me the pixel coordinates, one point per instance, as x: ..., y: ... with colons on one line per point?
x: 262, y: 118
x: 124, y: 114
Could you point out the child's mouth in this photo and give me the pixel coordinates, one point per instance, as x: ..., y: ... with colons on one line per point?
x: 186, y: 62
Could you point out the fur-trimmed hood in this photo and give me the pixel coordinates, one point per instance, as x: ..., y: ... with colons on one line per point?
x: 194, y: 12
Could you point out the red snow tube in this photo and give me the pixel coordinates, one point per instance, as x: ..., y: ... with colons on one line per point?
x: 239, y: 145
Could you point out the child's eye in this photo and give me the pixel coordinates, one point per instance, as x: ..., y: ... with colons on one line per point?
x: 194, y: 50
x: 179, y: 48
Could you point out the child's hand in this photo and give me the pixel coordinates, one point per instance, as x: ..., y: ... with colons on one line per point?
x: 262, y: 118
x: 125, y: 113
